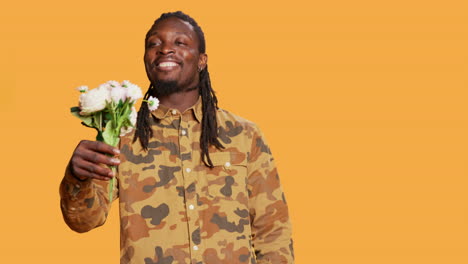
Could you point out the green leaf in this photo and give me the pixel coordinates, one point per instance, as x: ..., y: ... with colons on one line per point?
x: 97, y: 122
x: 109, y: 135
x: 86, y: 120
x: 126, y: 122
x: 75, y: 109
x: 125, y: 114
x: 86, y: 125
x: 99, y: 136
x: 107, y: 116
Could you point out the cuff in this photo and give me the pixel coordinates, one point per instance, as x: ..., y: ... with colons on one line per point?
x: 71, y: 179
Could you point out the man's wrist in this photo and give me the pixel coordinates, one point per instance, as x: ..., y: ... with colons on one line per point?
x: 72, y: 173
x: 78, y: 178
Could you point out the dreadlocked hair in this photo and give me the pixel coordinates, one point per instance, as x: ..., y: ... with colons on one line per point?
x: 209, y: 132
x: 143, y: 128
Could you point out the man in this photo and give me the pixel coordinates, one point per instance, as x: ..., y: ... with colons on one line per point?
x: 196, y: 184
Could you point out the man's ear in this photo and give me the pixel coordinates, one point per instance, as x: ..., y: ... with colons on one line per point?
x: 202, y: 61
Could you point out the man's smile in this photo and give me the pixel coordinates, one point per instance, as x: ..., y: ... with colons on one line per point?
x: 166, y: 65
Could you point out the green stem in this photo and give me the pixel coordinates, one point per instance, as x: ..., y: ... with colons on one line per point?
x: 111, y: 184
x: 113, y: 168
x: 100, y: 121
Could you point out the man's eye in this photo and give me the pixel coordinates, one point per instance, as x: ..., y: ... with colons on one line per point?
x: 179, y: 43
x: 153, y: 44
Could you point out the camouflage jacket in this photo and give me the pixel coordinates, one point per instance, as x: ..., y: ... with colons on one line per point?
x: 176, y: 210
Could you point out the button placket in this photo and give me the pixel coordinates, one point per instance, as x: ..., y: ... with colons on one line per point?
x: 192, y: 223
x: 189, y: 176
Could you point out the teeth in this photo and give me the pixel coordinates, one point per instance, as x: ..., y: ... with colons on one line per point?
x: 167, y: 64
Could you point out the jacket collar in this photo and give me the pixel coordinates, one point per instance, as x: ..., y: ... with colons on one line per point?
x: 163, y: 111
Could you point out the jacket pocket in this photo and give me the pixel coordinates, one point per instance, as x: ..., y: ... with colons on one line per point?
x: 228, y: 179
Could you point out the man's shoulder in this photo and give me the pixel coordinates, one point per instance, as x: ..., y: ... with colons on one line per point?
x: 234, y: 130
x: 229, y: 119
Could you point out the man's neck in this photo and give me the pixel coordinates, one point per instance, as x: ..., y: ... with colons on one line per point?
x: 180, y: 101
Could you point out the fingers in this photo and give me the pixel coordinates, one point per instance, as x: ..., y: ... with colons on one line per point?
x: 99, y: 147
x: 96, y: 157
x: 88, y: 157
x: 90, y: 170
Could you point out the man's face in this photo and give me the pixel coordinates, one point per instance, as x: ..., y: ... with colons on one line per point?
x: 171, y: 54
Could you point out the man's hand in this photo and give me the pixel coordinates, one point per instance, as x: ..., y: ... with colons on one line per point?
x: 88, y: 157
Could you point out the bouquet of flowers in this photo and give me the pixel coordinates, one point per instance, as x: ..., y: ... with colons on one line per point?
x: 110, y: 110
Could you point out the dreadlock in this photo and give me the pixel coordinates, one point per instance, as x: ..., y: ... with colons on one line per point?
x: 209, y: 133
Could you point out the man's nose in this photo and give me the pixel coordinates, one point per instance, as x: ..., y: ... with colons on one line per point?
x: 166, y: 48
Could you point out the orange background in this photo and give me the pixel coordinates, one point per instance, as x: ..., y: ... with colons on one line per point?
x: 364, y: 104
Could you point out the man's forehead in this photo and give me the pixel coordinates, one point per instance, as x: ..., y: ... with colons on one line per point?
x: 174, y: 25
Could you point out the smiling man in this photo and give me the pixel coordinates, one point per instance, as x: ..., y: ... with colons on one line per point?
x: 196, y: 184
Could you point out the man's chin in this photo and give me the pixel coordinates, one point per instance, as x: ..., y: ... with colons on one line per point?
x: 166, y: 87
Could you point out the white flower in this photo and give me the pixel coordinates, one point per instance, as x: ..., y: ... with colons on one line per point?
x: 82, y: 88
x: 113, y: 83
x: 126, y: 83
x: 105, y: 86
x: 133, y: 116
x: 153, y: 103
x: 133, y: 92
x: 93, y: 101
x: 133, y: 119
x: 118, y: 93
x: 125, y: 130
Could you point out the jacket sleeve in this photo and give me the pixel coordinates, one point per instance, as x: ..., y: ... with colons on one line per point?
x: 85, y: 204
x: 270, y: 223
